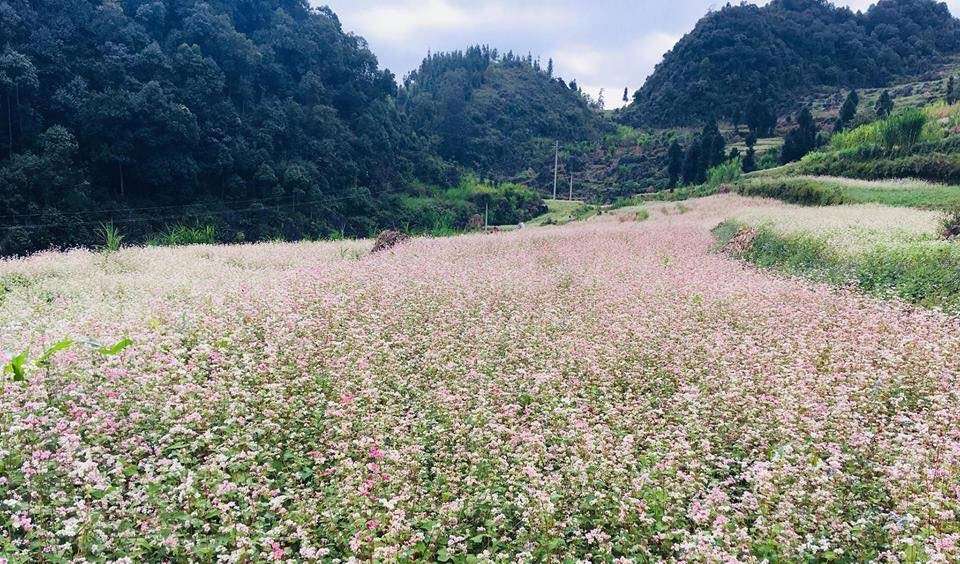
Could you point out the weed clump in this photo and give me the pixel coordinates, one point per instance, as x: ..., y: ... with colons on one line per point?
x: 388, y: 239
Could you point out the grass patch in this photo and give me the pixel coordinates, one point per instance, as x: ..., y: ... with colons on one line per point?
x: 182, y: 235
x: 925, y: 273
x: 560, y: 212
x: 803, y: 191
x: 825, y: 191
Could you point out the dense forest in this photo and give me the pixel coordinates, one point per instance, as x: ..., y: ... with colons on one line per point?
x: 260, y: 118
x: 785, y: 49
x: 499, y: 114
x: 263, y: 119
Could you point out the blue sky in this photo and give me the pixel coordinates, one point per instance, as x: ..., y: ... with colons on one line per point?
x: 608, y: 44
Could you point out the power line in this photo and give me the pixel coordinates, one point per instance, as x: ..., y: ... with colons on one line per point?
x: 172, y: 217
x: 120, y: 210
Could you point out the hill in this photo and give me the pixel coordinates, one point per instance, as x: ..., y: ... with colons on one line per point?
x: 787, y: 49
x: 499, y: 114
x: 263, y: 119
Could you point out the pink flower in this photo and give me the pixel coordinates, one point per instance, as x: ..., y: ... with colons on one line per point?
x: 276, y: 551
x: 376, y: 453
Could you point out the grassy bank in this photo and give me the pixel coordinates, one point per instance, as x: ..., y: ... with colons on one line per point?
x: 825, y: 190
x: 923, y: 271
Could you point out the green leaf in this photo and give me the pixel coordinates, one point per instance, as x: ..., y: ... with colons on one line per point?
x: 443, y: 555
x: 116, y: 348
x: 47, y: 355
x: 17, y: 366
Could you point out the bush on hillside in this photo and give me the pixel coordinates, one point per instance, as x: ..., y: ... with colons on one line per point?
x: 793, y: 190
x: 726, y: 173
x: 935, y: 167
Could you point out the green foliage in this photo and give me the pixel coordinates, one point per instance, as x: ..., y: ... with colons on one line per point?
x: 786, y: 49
x: 884, y: 105
x: 182, y: 235
x: 935, y: 167
x: 116, y: 348
x: 925, y: 273
x: 498, y: 113
x: 48, y: 354
x: 800, y: 140
x: 112, y: 239
x: 800, y: 191
x: 848, y: 111
x: 726, y: 173
x: 903, y: 129
x: 451, y: 211
x: 17, y: 366
x: 624, y: 135
x: 262, y: 118
x: 950, y: 222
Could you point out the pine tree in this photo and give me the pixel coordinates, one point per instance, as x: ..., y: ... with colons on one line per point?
x: 626, y: 94
x: 848, y: 111
x: 750, y: 158
x: 884, y: 105
x: 675, y: 163
x: 759, y: 118
x: 713, y: 146
x: 951, y: 90
x: 692, y: 172
x: 550, y: 68
x: 801, y: 140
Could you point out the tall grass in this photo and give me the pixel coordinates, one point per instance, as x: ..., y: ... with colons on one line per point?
x: 926, y: 273
x: 111, y: 237
x: 902, y: 130
x: 726, y: 173
x: 181, y: 235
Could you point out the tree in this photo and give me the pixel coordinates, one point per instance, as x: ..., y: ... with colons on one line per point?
x: 800, y: 140
x: 750, y: 158
x: 848, y: 111
x: 789, y: 49
x: 626, y: 94
x: 674, y: 163
x: 712, y: 146
x: 884, y: 105
x: 951, y: 96
x: 550, y: 68
x: 693, y: 172
x: 760, y: 120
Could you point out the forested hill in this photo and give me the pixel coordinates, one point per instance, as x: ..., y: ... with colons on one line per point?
x: 783, y: 50
x: 499, y: 114
x: 260, y: 116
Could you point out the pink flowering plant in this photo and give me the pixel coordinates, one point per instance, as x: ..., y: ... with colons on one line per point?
x: 611, y: 391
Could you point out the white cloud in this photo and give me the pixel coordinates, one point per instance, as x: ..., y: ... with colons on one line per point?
x: 614, y: 68
x: 404, y: 19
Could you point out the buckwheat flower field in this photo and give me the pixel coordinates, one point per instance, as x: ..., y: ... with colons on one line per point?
x: 607, y: 391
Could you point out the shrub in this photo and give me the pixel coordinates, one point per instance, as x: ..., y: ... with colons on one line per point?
x: 935, y: 167
x: 181, y: 235
x: 903, y: 129
x: 726, y: 173
x: 793, y: 190
x: 111, y: 236
x: 950, y: 223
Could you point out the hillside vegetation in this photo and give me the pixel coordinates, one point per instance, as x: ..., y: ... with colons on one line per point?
x: 784, y: 50
x: 256, y: 119
x: 498, y: 114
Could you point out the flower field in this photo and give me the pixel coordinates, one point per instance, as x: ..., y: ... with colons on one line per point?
x: 598, y: 391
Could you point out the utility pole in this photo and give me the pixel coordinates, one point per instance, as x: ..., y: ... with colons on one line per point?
x: 556, y: 169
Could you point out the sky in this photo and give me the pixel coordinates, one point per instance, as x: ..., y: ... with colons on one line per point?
x: 603, y: 44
